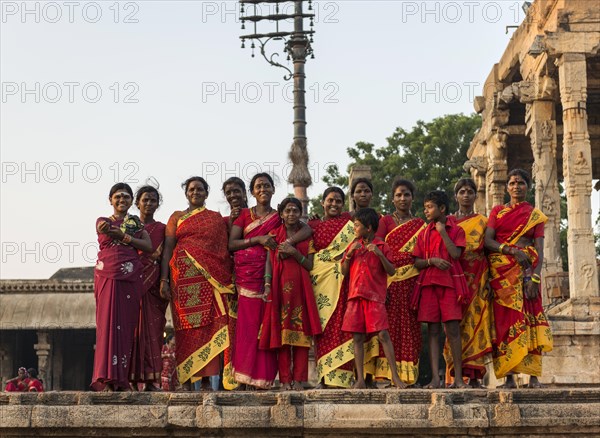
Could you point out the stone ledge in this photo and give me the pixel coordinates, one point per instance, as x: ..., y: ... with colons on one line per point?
x: 551, y: 412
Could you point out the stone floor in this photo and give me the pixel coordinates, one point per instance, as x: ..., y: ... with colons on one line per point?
x: 325, y: 413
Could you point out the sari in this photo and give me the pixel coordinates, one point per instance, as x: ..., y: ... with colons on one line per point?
x: 291, y: 316
x: 201, y: 276
x: 146, y: 361
x: 251, y: 365
x: 475, y: 326
x: 168, y: 374
x: 522, y: 330
x: 117, y: 290
x: 404, y: 329
x: 334, y: 349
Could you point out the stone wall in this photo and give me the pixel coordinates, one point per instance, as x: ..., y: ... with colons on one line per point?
x: 528, y: 413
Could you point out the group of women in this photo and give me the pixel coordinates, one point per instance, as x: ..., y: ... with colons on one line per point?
x: 250, y: 292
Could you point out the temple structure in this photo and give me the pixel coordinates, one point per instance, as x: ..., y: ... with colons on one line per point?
x: 541, y: 111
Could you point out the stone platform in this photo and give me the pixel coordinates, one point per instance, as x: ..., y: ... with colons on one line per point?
x: 329, y: 413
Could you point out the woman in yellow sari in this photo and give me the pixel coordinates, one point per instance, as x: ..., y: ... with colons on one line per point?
x: 334, y: 351
x: 196, y: 274
x: 475, y: 326
x: 515, y: 238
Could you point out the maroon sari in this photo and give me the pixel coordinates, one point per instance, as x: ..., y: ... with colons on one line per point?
x: 252, y: 366
x: 117, y: 289
x: 147, y: 362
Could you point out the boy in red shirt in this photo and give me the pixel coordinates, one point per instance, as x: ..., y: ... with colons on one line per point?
x: 366, y: 262
x: 441, y: 285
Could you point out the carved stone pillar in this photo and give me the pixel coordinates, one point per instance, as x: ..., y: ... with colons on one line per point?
x: 541, y: 127
x: 477, y: 167
x: 497, y: 168
x: 577, y: 170
x: 42, y: 349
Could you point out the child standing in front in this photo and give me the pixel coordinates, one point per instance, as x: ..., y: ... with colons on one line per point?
x: 366, y: 262
x: 441, y: 286
x: 291, y: 316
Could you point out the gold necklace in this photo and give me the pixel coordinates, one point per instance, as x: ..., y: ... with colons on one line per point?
x: 400, y: 220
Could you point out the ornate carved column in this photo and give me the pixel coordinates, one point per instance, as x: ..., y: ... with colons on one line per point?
x: 42, y: 349
x: 497, y: 168
x: 541, y: 128
x: 577, y: 158
x: 477, y: 167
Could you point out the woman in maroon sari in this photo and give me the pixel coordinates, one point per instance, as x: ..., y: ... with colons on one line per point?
x: 118, y: 290
x: 334, y: 353
x: 249, y: 236
x: 400, y: 230
x: 196, y: 276
x: 147, y: 362
x: 291, y: 317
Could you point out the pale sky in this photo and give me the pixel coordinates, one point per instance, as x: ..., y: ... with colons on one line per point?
x: 99, y: 92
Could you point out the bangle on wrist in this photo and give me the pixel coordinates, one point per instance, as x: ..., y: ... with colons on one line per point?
x: 501, y: 248
x: 268, y: 276
x: 428, y: 262
x: 164, y: 279
x: 302, y: 260
x: 535, y: 280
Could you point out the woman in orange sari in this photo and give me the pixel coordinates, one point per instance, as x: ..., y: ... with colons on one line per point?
x: 334, y: 352
x: 196, y: 276
x: 475, y: 326
x: 400, y: 231
x: 515, y: 238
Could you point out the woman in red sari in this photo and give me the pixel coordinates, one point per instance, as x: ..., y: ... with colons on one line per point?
x: 147, y: 362
x: 476, y: 322
x: 118, y: 290
x: 400, y: 230
x: 250, y: 234
x: 291, y: 316
x: 334, y: 352
x: 515, y: 238
x: 19, y: 383
x: 196, y: 276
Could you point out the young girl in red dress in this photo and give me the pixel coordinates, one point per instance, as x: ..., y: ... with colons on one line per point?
x: 291, y: 315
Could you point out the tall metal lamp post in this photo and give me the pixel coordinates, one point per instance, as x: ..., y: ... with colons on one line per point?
x: 297, y: 45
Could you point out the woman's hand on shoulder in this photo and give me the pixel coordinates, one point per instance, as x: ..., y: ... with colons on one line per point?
x: 268, y: 241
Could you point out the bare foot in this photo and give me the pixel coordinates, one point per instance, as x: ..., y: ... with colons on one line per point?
x: 459, y: 384
x: 509, y: 384
x: 359, y: 384
x: 286, y: 387
x: 297, y: 386
x: 534, y: 383
x: 475, y: 384
x: 399, y: 384
x: 434, y: 384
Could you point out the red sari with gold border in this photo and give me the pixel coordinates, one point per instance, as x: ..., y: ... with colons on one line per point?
x: 200, y: 279
x: 404, y: 330
x: 522, y: 330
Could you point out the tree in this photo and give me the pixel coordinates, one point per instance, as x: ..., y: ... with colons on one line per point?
x: 430, y: 154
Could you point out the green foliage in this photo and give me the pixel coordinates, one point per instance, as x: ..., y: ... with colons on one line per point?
x: 431, y: 155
